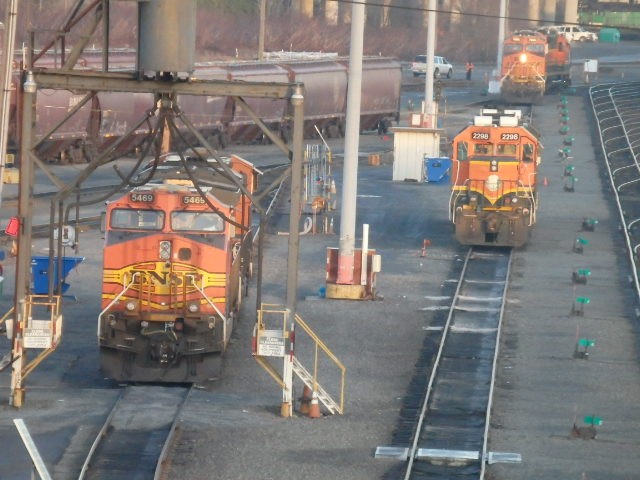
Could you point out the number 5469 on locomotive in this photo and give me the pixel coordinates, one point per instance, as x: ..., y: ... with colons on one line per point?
x: 176, y: 263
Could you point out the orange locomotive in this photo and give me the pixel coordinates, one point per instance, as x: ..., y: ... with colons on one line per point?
x: 177, y: 257
x: 533, y: 63
x: 493, y: 198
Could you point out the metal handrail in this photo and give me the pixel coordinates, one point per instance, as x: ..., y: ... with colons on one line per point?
x: 319, y: 343
x: 115, y: 299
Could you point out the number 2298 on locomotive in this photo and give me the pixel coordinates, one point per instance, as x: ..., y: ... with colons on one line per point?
x: 494, y: 171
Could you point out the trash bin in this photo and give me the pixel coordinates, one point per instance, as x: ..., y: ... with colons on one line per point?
x: 40, y: 273
x: 437, y: 168
x: 609, y: 35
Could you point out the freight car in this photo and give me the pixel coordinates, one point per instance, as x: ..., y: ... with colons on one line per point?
x: 109, y: 115
x: 177, y: 257
x: 532, y: 64
x: 493, y: 198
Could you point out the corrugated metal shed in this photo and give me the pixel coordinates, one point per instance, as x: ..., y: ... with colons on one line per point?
x: 411, y: 145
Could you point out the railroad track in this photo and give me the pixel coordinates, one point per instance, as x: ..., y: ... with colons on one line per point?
x: 615, y: 111
x: 444, y: 432
x: 136, y: 437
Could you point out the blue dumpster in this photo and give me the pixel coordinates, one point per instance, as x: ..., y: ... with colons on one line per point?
x: 437, y: 168
x: 40, y: 273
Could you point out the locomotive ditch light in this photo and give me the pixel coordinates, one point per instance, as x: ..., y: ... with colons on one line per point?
x: 130, y: 305
x: 193, y: 307
x: 144, y: 324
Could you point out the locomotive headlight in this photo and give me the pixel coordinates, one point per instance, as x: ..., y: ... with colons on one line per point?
x: 193, y: 307
x: 130, y: 305
x: 165, y: 250
x: 492, y: 183
x: 493, y: 165
x: 523, y: 58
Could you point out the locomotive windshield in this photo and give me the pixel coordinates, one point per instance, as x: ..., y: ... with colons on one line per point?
x: 196, y: 221
x: 512, y: 48
x: 127, y: 219
x: 536, y: 48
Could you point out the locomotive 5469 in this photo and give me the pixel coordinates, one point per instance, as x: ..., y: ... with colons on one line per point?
x: 493, y: 198
x: 532, y: 63
x: 176, y: 262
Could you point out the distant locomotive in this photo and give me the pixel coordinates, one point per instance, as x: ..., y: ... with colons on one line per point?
x: 532, y: 64
x: 177, y: 257
x: 105, y: 119
x: 493, y: 198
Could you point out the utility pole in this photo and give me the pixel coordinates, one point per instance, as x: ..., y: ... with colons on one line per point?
x: 261, y: 33
x: 430, y: 108
x: 352, y: 132
x: 501, y: 32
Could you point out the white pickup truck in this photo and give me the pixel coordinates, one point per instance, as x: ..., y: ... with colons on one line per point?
x: 441, y: 66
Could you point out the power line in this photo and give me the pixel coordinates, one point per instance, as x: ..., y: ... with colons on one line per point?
x: 467, y: 14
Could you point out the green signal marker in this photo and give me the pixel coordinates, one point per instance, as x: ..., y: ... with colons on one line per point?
x: 592, y: 420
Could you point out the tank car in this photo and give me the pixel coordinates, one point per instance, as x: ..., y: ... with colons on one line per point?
x: 493, y: 198
x: 104, y: 119
x: 177, y: 257
x: 533, y: 63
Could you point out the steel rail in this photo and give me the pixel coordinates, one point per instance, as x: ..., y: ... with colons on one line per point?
x: 494, y: 369
x: 630, y: 249
x: 434, y: 370
x: 101, y: 435
x: 163, y: 460
x: 107, y: 429
x: 500, y: 277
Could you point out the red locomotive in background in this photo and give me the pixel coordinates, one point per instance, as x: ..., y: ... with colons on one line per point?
x: 177, y: 257
x: 533, y: 63
x: 494, y: 199
x: 109, y: 115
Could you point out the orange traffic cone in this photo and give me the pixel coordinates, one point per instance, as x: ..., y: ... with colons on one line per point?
x: 314, y: 409
x: 305, y: 400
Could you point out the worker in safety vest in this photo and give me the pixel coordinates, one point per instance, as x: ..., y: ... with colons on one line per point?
x: 469, y: 68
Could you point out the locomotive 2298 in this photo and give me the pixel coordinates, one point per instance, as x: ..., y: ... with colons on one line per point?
x: 177, y: 257
x: 493, y: 198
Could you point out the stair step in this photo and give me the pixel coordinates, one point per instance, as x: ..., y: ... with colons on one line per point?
x: 307, y: 378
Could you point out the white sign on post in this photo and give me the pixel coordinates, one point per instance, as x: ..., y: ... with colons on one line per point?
x: 37, y: 338
x: 271, y: 343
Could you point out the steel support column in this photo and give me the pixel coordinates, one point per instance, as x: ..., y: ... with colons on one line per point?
x: 297, y: 100
x: 23, y: 262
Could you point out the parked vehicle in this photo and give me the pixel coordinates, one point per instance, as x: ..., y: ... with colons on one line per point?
x: 574, y: 33
x: 441, y: 66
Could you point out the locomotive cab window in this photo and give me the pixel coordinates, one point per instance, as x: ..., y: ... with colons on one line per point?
x: 127, y: 219
x: 196, y: 221
x: 462, y: 150
x: 510, y: 48
x: 537, y: 49
x: 527, y: 152
x: 482, y: 149
x: 507, y: 149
